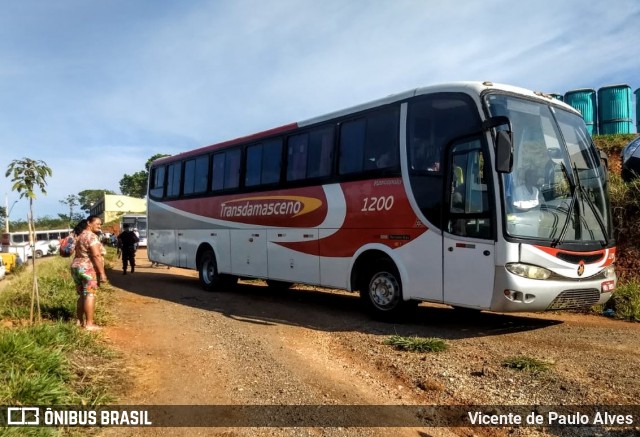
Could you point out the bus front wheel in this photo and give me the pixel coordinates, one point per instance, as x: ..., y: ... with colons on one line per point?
x: 381, y: 292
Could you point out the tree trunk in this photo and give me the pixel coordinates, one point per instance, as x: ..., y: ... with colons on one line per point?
x: 35, y: 294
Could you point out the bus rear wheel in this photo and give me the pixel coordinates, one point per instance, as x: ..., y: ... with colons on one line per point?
x: 381, y: 292
x: 209, y: 276
x: 208, y: 270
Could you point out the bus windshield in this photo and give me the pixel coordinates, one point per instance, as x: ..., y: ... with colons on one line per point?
x: 556, y: 191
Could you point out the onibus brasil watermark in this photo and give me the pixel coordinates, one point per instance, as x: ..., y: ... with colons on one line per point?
x: 621, y: 416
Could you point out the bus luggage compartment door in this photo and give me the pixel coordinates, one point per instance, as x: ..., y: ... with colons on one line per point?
x: 286, y: 264
x: 249, y: 252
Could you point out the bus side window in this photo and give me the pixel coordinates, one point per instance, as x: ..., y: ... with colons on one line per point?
x: 263, y: 163
x: 297, y: 157
x: 469, y: 210
x: 352, y: 135
x: 157, y: 182
x: 320, y: 152
x: 310, y: 154
x: 271, y: 161
x: 370, y: 143
x: 382, y: 145
x: 253, y: 165
x: 195, y: 175
x: 232, y: 169
x: 173, y: 179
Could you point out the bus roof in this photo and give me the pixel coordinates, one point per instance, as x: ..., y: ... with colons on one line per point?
x: 473, y: 87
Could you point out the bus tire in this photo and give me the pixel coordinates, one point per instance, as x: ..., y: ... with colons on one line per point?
x: 39, y: 254
x: 208, y: 271
x: 381, y: 293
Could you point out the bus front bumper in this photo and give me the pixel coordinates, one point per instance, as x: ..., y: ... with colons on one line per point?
x: 514, y: 293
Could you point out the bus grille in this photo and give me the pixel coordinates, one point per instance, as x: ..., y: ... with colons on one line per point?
x: 573, y: 299
x: 576, y: 258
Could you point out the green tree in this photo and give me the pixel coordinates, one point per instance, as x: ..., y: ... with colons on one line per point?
x: 71, y: 201
x: 87, y: 198
x: 27, y: 175
x: 135, y: 185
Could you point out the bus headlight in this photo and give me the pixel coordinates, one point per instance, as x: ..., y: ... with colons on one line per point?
x: 609, y: 271
x: 528, y: 271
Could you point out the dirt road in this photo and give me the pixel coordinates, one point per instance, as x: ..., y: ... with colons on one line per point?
x: 256, y: 346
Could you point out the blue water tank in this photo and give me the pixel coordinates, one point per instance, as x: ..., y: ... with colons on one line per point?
x: 637, y: 93
x: 584, y: 100
x: 615, y: 109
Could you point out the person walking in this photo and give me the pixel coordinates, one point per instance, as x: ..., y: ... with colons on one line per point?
x: 87, y: 269
x: 128, y: 242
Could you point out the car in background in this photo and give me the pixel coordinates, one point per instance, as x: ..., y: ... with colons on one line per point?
x: 631, y: 160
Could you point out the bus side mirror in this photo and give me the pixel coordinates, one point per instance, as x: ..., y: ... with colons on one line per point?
x: 604, y: 160
x: 504, y: 143
x: 504, y: 152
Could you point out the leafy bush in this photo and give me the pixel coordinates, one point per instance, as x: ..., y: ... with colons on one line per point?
x: 625, y: 302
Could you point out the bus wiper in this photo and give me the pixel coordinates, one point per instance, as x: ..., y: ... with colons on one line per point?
x: 574, y: 195
x: 575, y: 189
x: 594, y: 210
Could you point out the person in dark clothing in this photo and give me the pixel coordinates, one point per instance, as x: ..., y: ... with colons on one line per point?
x: 127, y: 241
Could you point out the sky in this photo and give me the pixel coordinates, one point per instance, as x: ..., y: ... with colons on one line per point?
x: 94, y: 88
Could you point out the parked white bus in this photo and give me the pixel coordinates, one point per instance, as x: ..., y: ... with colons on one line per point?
x: 46, y: 242
x: 137, y: 222
x: 475, y: 195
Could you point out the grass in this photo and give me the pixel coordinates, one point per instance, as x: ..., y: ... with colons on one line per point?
x: 416, y: 344
x: 37, y: 365
x: 625, y: 302
x: 57, y: 294
x: 625, y: 207
x: 53, y: 362
x: 527, y: 364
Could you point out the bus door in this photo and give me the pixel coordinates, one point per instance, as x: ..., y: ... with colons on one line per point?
x: 468, y: 242
x: 249, y: 252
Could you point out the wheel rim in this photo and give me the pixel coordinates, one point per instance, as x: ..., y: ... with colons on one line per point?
x: 384, y: 290
x: 208, y: 270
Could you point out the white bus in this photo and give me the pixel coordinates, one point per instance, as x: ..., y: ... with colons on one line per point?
x: 414, y: 197
x: 46, y: 243
x: 137, y: 222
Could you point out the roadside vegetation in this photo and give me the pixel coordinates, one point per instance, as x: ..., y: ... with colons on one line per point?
x: 526, y: 364
x: 52, y: 362
x: 417, y: 344
x: 625, y: 206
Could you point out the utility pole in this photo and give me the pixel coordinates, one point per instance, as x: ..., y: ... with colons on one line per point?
x: 7, y: 211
